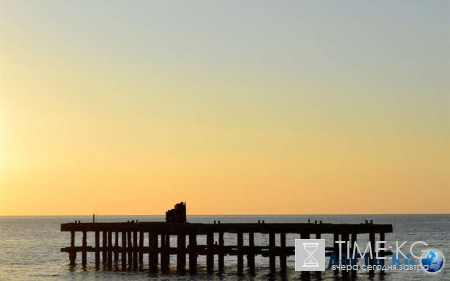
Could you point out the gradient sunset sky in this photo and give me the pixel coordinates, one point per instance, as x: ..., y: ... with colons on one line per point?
x: 237, y: 107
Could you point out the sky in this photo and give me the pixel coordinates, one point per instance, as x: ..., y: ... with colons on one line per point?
x: 235, y: 107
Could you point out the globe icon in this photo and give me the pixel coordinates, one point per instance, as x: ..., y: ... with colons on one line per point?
x: 432, y: 261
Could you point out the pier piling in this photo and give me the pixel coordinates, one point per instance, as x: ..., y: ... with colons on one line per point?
x: 110, y: 246
x: 141, y: 249
x: 181, y: 253
x: 153, y: 256
x: 210, y: 252
x: 135, y: 250
x: 72, y: 253
x: 124, y: 250
x: 97, y: 249
x: 251, y: 255
x: 240, y: 257
x: 221, y: 258
x: 116, y: 247
x: 193, y: 252
x: 283, y: 257
x: 272, y: 252
x: 104, y: 246
x: 130, y: 249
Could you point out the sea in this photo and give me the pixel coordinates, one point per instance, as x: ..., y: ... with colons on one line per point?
x: 30, y: 248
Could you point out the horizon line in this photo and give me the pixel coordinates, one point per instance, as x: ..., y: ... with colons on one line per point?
x: 230, y: 215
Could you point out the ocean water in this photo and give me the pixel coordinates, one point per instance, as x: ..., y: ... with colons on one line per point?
x: 30, y: 248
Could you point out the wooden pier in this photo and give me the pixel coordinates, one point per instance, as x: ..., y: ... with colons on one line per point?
x: 146, y: 245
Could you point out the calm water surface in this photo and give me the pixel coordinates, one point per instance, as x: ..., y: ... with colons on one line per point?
x: 30, y: 247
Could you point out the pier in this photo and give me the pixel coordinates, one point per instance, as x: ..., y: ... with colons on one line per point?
x: 147, y: 245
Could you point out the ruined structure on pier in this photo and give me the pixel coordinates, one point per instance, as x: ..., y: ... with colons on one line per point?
x: 124, y: 245
x: 177, y: 214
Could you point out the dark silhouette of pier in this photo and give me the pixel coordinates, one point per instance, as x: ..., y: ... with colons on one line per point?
x: 123, y: 243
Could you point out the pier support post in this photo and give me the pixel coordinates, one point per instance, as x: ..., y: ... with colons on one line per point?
x: 153, y: 256
x: 141, y: 249
x: 124, y: 250
x: 135, y: 250
x: 104, y: 246
x: 283, y: 252
x: 209, y: 252
x: 193, y: 252
x: 130, y: 249
x: 251, y: 255
x: 110, y: 246
x: 165, y: 256
x: 84, y: 249
x: 240, y: 257
x: 73, y: 252
x: 97, y: 249
x: 181, y: 256
x: 221, y: 254
x: 272, y: 252
x: 167, y: 252
x: 163, y: 252
x: 72, y: 239
x: 116, y: 247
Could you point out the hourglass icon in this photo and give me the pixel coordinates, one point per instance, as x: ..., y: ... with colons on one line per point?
x: 310, y: 260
